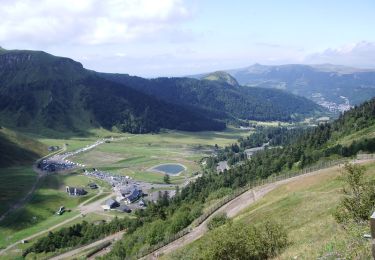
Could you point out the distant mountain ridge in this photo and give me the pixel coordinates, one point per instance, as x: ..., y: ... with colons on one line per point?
x: 219, y: 99
x: 39, y: 90
x: 326, y: 84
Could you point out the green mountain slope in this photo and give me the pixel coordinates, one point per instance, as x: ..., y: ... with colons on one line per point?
x: 17, y: 149
x: 222, y: 77
x: 39, y: 90
x: 304, y: 208
x: 220, y: 100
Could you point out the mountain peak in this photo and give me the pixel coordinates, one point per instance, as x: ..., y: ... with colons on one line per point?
x: 39, y: 64
x: 222, y: 76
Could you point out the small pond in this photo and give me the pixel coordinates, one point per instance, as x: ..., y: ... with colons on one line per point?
x: 171, y: 169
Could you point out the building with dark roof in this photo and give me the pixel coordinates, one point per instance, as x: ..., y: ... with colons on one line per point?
x: 110, y: 204
x: 73, y: 191
x: 134, y: 195
x: 93, y: 185
x: 124, y: 208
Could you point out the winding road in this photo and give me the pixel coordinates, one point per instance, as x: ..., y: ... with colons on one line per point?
x: 233, y: 208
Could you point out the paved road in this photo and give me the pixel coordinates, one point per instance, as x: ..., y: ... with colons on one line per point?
x: 70, y: 254
x: 232, y: 208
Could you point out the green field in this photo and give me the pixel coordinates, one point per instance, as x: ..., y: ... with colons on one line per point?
x: 304, y: 207
x: 39, y: 213
x: 15, y: 182
x: 135, y: 154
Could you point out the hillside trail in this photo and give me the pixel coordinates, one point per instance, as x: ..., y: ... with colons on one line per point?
x: 233, y: 208
x: 40, y: 175
x: 84, y: 208
x: 70, y: 254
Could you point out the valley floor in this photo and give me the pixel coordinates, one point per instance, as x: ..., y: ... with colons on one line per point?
x: 129, y: 155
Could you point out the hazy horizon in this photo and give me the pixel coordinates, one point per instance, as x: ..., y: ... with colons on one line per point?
x: 176, y: 38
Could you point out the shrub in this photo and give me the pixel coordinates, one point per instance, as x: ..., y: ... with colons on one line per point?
x: 237, y: 241
x: 359, y: 197
x: 217, y: 221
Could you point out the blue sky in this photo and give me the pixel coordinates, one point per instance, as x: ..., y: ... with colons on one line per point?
x: 175, y: 37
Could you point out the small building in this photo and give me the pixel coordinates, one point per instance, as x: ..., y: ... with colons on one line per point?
x: 222, y: 166
x: 53, y: 148
x: 124, y: 208
x: 61, y: 210
x: 73, y: 191
x: 142, y: 203
x: 134, y: 195
x: 110, y: 204
x: 93, y: 186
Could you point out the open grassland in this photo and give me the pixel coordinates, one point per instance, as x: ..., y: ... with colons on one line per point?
x: 304, y: 207
x: 16, y: 252
x: 134, y: 155
x: 39, y: 213
x: 368, y: 132
x: 15, y: 183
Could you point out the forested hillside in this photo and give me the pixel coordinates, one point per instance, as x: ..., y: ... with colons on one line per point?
x: 220, y: 99
x: 38, y: 90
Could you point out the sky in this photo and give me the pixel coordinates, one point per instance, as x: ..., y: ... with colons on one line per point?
x: 153, y: 38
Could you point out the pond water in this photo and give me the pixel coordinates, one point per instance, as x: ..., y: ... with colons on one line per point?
x: 171, y: 169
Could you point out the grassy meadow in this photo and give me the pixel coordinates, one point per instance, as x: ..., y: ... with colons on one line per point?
x: 39, y: 212
x: 304, y: 207
x: 133, y: 155
x: 15, y: 182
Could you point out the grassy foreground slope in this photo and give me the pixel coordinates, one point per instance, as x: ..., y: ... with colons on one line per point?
x: 40, y: 212
x: 304, y: 207
x: 18, y: 149
x: 17, y: 153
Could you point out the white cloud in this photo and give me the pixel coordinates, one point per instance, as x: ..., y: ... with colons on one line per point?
x: 361, y: 54
x: 87, y: 21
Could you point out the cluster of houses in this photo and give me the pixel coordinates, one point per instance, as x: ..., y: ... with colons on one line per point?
x: 54, y: 166
x: 126, y: 189
x: 112, y: 204
x: 113, y: 180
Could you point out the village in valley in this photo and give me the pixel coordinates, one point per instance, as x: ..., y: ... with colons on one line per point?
x: 127, y: 194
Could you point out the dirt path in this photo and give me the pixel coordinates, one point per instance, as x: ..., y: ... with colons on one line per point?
x: 40, y: 175
x: 232, y: 208
x: 83, y: 210
x: 70, y: 254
